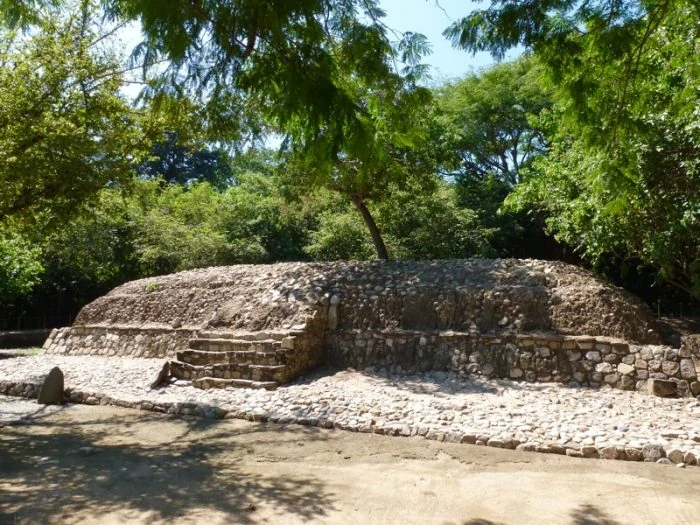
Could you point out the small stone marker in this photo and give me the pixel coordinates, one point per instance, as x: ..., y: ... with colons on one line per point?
x: 163, y: 376
x: 51, y: 392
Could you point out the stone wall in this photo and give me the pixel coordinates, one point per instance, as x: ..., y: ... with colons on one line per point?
x: 305, y: 347
x: 580, y: 360
x: 115, y: 341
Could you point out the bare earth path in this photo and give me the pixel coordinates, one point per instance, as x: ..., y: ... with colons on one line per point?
x: 142, y: 467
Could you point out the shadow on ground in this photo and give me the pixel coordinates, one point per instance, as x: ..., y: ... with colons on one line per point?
x: 591, y: 515
x: 438, y: 383
x: 67, y: 470
x: 582, y: 515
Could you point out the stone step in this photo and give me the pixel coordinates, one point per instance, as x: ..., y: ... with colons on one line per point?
x: 229, y: 345
x: 253, y: 357
x: 245, y: 336
x: 278, y: 373
x: 215, y: 382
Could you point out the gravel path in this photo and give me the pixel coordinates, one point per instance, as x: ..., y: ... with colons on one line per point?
x: 545, y: 417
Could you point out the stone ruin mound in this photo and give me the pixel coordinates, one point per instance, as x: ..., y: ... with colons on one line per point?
x: 488, y: 296
x: 261, y: 325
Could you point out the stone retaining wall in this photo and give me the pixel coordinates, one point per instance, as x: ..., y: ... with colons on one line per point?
x: 162, y: 343
x: 115, y: 341
x: 582, y: 360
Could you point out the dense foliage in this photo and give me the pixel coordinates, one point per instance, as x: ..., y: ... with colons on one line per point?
x: 593, y: 135
x: 64, y: 130
x: 622, y: 177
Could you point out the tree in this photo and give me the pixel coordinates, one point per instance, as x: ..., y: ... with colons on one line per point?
x: 577, y: 41
x: 388, y: 149
x: 489, y: 130
x: 622, y: 176
x: 20, y: 266
x: 488, y: 122
x: 65, y: 132
x: 317, y: 70
x: 180, y: 163
x: 280, y: 58
x: 415, y: 225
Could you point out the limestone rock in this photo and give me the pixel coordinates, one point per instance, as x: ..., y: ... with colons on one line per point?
x: 613, y: 452
x: 625, y: 369
x: 653, y: 452
x: 670, y: 368
x: 688, y: 369
x: 675, y: 455
x: 690, y: 345
x: 634, y: 454
x: 689, y: 458
x: 695, y: 388
x: 51, y: 392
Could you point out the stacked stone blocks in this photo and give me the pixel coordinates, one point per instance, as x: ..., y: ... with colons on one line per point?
x: 229, y: 359
x: 118, y: 341
x: 577, y: 360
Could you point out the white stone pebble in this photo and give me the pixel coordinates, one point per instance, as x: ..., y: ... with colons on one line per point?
x: 546, y: 417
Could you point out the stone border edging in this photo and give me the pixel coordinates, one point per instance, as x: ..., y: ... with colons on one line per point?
x: 650, y: 452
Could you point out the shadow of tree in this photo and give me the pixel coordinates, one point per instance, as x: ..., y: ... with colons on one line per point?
x: 587, y: 514
x: 425, y: 383
x: 53, y: 474
x: 439, y: 383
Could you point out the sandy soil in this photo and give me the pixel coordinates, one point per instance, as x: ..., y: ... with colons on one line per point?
x: 142, y: 467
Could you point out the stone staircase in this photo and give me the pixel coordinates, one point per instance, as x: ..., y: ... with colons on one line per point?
x: 243, y: 359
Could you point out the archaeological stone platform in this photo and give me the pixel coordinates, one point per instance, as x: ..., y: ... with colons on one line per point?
x: 263, y: 325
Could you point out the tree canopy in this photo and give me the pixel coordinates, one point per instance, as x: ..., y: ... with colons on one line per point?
x: 622, y: 175
x: 64, y: 130
x: 593, y: 133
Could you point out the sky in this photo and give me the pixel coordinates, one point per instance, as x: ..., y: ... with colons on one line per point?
x: 431, y: 18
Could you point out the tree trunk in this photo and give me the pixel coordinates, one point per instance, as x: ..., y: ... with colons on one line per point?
x: 379, y: 245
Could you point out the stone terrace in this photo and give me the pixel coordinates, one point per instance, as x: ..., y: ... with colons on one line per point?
x: 264, y: 325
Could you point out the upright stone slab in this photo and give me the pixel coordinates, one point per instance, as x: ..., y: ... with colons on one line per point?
x: 51, y: 392
x: 163, y: 376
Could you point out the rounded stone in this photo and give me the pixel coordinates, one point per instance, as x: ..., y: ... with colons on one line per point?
x: 653, y: 452
x: 687, y: 369
x: 625, y: 369
x: 675, y: 455
x: 689, y: 458
x: 670, y: 368
x: 516, y: 373
x: 634, y: 454
x: 604, y: 368
x: 593, y: 355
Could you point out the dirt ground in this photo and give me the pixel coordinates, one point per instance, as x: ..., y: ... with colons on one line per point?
x: 141, y: 467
